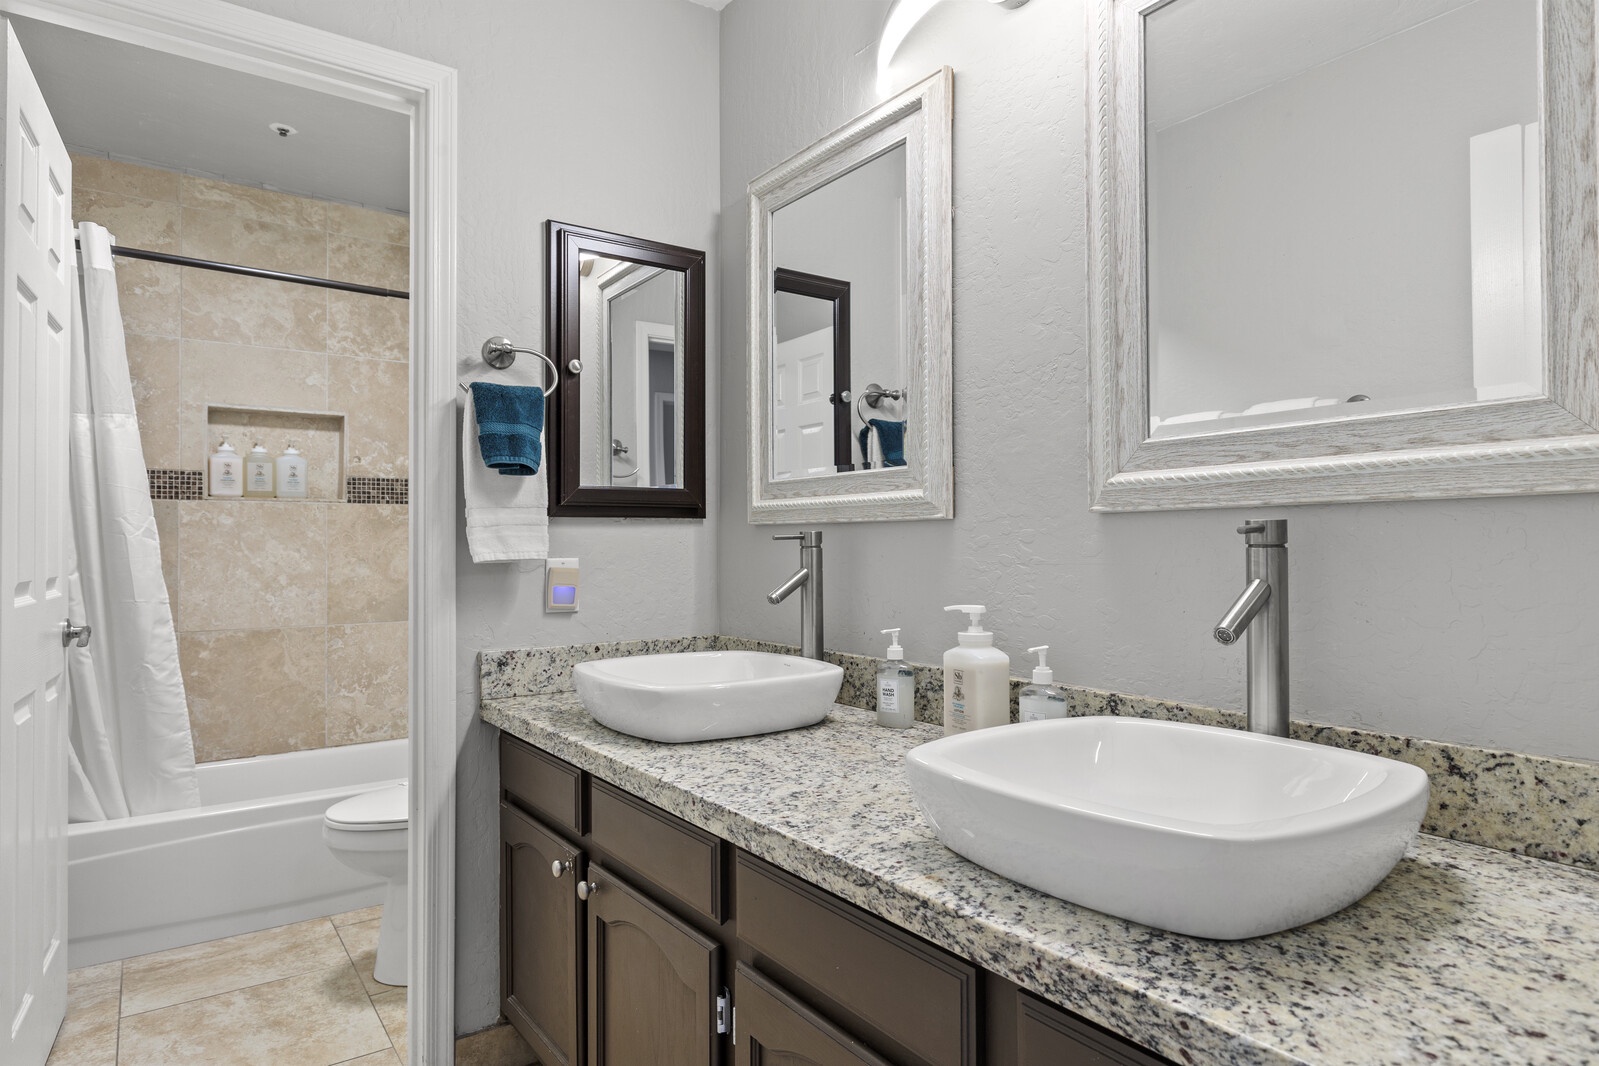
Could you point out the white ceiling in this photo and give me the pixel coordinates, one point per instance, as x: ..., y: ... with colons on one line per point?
x: 1201, y: 54
x: 714, y: 5
x: 137, y: 104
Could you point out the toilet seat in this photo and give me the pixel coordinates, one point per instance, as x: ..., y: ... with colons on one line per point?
x: 385, y: 809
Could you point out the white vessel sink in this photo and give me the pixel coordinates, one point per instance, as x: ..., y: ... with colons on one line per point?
x: 707, y: 695
x: 1210, y: 832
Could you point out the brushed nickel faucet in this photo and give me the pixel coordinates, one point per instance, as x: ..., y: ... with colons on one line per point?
x: 808, y: 579
x: 1261, y: 613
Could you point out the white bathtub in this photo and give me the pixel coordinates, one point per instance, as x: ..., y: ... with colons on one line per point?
x: 251, y: 858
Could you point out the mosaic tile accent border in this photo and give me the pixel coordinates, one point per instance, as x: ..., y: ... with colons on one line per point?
x: 1537, y: 805
x: 177, y: 484
x: 377, y: 490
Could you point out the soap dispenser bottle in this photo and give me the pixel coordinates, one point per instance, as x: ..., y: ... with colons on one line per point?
x: 1042, y: 699
x: 291, y: 474
x: 976, y: 678
x: 258, y: 479
x: 896, y: 687
x: 227, y: 471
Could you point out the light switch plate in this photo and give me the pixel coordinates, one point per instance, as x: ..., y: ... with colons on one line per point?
x: 560, y: 586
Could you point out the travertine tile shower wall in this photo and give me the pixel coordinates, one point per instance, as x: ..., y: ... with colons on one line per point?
x: 291, y: 615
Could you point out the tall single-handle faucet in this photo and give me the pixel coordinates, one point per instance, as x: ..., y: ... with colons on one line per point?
x: 1261, y: 610
x: 808, y: 579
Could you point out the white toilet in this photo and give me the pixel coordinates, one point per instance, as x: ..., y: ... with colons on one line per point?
x: 369, y: 833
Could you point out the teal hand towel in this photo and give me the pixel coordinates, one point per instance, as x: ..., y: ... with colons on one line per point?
x: 890, y: 435
x: 510, y: 419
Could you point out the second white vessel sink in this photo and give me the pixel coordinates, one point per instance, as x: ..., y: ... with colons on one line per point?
x: 707, y: 695
x: 1209, y: 832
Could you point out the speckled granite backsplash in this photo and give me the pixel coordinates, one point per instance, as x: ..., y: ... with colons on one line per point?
x: 1528, y: 804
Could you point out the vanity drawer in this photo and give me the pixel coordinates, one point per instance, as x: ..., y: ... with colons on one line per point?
x: 921, y: 998
x: 674, y: 856
x: 542, y: 783
x: 1048, y: 1036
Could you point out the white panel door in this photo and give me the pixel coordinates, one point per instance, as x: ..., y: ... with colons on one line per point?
x: 802, y: 406
x: 35, y: 310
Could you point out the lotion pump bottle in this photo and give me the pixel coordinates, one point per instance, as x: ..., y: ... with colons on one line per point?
x: 896, y: 687
x: 291, y: 474
x: 227, y: 471
x: 258, y: 472
x: 1042, y: 699
x: 976, y: 678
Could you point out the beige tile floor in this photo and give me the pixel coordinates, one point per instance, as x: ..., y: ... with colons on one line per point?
x: 298, y: 995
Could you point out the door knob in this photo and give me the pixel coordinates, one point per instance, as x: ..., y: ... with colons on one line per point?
x: 586, y: 889
x: 559, y: 867
x: 70, y: 633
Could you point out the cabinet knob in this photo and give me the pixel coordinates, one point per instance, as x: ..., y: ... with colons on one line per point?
x: 559, y: 867
x: 585, y: 889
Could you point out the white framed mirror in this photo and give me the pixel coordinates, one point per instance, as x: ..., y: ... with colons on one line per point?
x: 850, y: 320
x: 1341, y: 250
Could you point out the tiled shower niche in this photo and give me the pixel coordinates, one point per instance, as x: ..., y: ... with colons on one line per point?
x: 291, y: 615
x: 318, y: 435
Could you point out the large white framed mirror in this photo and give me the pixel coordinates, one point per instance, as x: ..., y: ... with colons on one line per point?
x: 1341, y: 250
x: 850, y: 320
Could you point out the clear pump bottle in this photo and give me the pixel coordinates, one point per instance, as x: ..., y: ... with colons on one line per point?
x: 1042, y: 700
x: 896, y: 687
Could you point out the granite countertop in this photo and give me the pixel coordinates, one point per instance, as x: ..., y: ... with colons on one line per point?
x: 1463, y: 955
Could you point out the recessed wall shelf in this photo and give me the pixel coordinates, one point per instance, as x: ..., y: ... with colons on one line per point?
x: 319, y: 435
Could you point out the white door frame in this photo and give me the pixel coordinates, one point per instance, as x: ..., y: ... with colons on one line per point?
x: 285, y: 51
x: 643, y: 334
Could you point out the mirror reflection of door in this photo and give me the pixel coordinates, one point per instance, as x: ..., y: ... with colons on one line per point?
x: 843, y: 241
x: 632, y: 315
x: 810, y: 375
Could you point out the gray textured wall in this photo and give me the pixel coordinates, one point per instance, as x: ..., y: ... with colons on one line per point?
x: 1469, y: 621
x: 559, y: 99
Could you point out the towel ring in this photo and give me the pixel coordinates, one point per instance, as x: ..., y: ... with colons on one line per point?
x: 618, y: 449
x: 500, y: 354
x: 874, y: 396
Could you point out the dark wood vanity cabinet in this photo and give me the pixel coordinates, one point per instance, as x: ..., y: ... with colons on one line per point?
x: 775, y: 1029
x: 681, y: 950
x: 541, y: 933
x: 653, y: 981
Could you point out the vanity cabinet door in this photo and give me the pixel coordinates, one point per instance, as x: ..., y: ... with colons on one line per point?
x: 541, y: 976
x: 775, y: 1029
x: 653, y: 981
x: 1048, y: 1036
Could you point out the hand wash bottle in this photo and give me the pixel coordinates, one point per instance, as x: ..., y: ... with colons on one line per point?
x: 896, y: 688
x: 1042, y: 699
x: 976, y: 678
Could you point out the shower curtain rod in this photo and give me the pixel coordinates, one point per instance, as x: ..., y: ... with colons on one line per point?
x: 256, y: 272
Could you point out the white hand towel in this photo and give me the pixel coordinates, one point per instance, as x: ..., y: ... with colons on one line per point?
x: 506, y: 517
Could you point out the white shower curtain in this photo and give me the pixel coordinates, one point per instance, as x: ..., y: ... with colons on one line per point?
x: 132, y: 751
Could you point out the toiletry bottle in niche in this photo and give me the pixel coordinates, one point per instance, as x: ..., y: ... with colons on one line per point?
x: 1041, y: 699
x: 976, y: 678
x: 227, y: 471
x: 896, y: 687
x: 291, y: 474
x: 258, y: 479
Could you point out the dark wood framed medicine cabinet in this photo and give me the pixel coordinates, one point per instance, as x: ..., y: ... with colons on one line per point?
x: 625, y: 324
